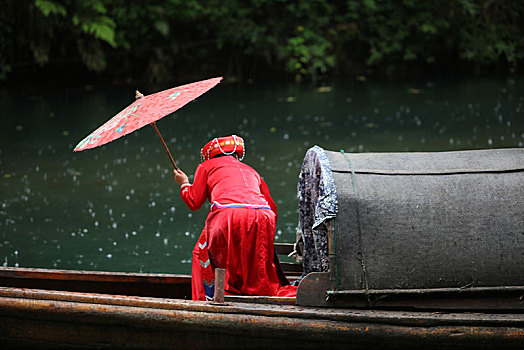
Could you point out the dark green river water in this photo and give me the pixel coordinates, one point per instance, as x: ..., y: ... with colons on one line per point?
x: 117, y: 208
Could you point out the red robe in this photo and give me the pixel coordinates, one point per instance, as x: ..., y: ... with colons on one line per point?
x: 239, y: 230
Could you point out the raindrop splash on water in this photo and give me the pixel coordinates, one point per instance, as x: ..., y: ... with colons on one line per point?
x: 62, y: 197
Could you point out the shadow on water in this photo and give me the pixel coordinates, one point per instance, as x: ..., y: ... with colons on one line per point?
x: 116, y: 208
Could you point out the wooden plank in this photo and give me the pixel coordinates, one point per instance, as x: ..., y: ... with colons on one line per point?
x: 312, y: 289
x: 291, y: 268
x: 150, y: 322
x: 154, y: 285
x: 407, y: 318
x: 467, y: 290
x: 220, y: 282
x: 260, y: 299
x: 473, y: 298
x: 78, y: 275
x: 284, y: 248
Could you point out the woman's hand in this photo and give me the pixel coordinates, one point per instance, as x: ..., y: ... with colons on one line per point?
x: 180, y: 177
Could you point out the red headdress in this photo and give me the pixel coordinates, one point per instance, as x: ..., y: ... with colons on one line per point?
x: 228, y: 145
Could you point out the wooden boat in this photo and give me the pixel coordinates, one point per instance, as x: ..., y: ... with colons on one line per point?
x: 365, y: 296
x: 41, y: 308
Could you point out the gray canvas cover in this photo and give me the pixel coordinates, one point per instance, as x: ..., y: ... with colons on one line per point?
x: 429, y: 220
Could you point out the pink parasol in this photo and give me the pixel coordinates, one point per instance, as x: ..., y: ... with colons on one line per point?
x: 146, y: 110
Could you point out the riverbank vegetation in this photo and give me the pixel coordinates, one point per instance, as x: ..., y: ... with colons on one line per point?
x: 301, y: 40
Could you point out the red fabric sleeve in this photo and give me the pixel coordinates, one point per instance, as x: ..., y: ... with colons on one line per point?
x: 196, y: 194
x: 265, y: 192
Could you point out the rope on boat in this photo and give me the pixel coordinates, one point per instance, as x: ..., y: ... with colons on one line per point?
x: 360, y: 253
x: 335, y: 265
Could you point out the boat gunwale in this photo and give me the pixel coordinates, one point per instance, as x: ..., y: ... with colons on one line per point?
x: 393, y: 317
x: 457, y: 290
x: 94, y: 276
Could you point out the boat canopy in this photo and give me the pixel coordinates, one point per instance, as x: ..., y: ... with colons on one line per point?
x: 413, y: 221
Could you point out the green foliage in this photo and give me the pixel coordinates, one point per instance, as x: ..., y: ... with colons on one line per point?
x: 305, y: 39
x: 48, y: 7
x: 492, y: 30
x: 91, y: 18
x: 308, y: 54
x: 399, y: 31
x: 484, y: 32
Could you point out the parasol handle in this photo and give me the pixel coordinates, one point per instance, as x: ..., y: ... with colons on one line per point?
x: 164, y: 144
x: 138, y: 95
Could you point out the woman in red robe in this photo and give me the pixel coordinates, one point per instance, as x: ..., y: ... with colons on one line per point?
x: 239, y: 231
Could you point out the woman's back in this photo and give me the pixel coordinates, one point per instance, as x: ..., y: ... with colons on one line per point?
x: 230, y: 181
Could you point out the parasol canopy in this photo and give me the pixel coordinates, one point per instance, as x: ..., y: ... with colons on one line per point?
x: 146, y: 110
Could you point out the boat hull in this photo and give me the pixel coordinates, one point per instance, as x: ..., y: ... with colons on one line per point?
x: 54, y: 318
